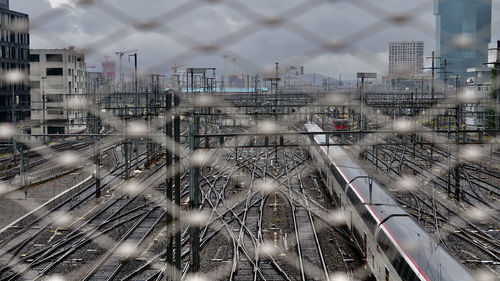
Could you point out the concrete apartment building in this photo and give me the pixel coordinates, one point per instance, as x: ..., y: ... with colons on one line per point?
x: 406, y: 66
x: 14, y: 51
x: 58, y: 90
x: 406, y: 58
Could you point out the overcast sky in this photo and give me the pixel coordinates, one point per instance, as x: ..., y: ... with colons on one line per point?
x: 328, y: 37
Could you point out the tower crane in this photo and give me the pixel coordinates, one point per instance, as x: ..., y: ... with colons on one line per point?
x: 121, y: 54
x: 174, y: 68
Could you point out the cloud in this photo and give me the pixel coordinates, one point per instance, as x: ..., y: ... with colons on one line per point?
x: 257, y: 46
x: 346, y: 65
x: 61, y: 3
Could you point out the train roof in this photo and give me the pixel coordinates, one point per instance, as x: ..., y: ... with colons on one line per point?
x: 415, y: 242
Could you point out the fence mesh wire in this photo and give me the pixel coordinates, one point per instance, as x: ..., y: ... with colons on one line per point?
x: 412, y: 173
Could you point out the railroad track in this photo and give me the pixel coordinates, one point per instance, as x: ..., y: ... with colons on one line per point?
x: 254, y: 229
x: 35, y: 160
x: 251, y: 223
x: 33, y: 234
x: 437, y: 217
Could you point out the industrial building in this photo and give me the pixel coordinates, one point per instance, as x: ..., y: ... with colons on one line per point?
x: 294, y: 77
x: 479, y: 87
x: 58, y: 89
x: 14, y: 51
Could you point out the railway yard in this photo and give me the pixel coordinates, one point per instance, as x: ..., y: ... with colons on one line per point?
x: 284, y: 140
x: 251, y: 232
x: 241, y: 197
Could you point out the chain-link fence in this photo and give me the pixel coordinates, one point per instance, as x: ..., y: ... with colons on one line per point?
x: 178, y: 170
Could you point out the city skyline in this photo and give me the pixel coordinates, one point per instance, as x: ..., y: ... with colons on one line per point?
x: 83, y: 24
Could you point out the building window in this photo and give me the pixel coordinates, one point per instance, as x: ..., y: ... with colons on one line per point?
x: 35, y: 84
x: 54, y: 57
x: 54, y: 98
x: 34, y: 58
x: 55, y: 111
x: 54, y: 71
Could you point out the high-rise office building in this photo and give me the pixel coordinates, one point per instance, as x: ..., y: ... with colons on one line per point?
x: 463, y: 32
x: 14, y: 51
x: 406, y: 59
x: 4, y: 4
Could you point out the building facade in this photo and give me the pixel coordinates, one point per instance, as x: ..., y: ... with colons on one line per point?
x: 479, y: 87
x: 93, y: 80
x: 4, y: 4
x: 463, y: 32
x: 237, y: 80
x: 109, y: 70
x: 294, y: 77
x: 14, y: 51
x: 406, y: 67
x: 58, y: 91
x: 406, y: 59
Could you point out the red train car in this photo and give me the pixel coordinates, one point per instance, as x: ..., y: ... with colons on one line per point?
x: 341, y: 124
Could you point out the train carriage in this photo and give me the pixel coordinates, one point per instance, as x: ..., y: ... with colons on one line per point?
x: 394, y: 245
x: 341, y: 124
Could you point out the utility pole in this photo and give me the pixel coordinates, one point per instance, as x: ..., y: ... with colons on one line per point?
x: 13, y: 105
x: 23, y: 172
x: 277, y: 79
x: 44, y: 108
x: 121, y: 54
x: 234, y: 65
x: 256, y: 82
x: 496, y: 84
x: 457, y: 140
x: 97, y: 150
x: 194, y: 193
x: 177, y: 182
x: 497, y: 91
x: 224, y: 78
x: 136, y: 92
x: 136, y: 107
x: 363, y: 76
x: 168, y: 184
x: 314, y: 82
x: 445, y: 78
x: 433, y: 68
x: 274, y: 85
x: 433, y: 81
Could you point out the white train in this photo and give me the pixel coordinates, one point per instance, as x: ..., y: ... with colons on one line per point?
x: 395, y: 246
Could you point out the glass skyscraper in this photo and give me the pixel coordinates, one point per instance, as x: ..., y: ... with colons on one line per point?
x: 463, y: 32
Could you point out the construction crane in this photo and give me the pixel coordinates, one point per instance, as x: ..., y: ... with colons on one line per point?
x: 174, y: 68
x: 121, y: 54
